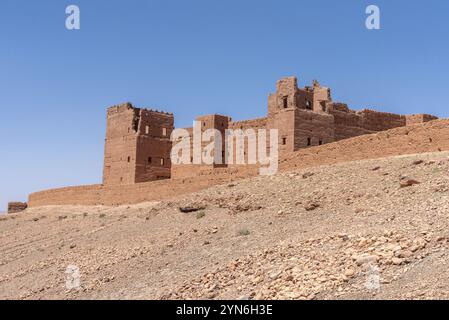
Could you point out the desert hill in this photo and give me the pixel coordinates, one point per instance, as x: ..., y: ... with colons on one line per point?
x: 359, y: 229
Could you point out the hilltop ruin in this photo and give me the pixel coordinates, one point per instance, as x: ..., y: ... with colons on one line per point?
x: 137, y: 165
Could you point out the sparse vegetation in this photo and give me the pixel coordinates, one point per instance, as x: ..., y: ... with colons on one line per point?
x: 243, y: 232
x: 200, y: 214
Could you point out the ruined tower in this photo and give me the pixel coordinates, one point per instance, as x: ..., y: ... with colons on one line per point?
x: 300, y: 115
x: 137, y: 145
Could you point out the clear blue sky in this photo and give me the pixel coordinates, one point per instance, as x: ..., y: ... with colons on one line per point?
x: 196, y: 57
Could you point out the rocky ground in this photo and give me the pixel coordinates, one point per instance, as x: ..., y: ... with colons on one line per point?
x: 375, y: 229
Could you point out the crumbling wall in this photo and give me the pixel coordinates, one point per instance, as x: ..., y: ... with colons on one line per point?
x: 14, y: 207
x: 137, y: 145
x: 380, y: 121
x: 120, y: 145
x: 208, y: 122
x: 312, y: 129
x: 154, y: 146
x: 349, y: 123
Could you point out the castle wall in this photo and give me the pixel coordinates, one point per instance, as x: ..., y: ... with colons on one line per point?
x: 140, y: 192
x: 349, y: 123
x: 312, y: 129
x: 380, y: 121
x: 137, y: 145
x: 120, y: 145
x: 284, y: 122
x: 14, y: 207
x: 418, y: 118
x: 153, y: 146
x: 427, y: 137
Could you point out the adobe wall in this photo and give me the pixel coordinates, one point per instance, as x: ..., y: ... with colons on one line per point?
x: 428, y: 137
x: 14, y: 207
x: 120, y: 145
x: 349, y: 123
x: 137, y: 145
x: 135, y: 193
x: 259, y: 123
x: 312, y: 129
x: 418, y: 118
x: 221, y: 123
x: 380, y: 121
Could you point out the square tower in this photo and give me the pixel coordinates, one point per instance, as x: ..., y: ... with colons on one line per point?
x: 215, y: 122
x: 137, y: 145
x: 300, y: 115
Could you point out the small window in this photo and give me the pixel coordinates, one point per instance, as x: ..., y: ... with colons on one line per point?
x: 149, y: 160
x: 147, y: 129
x: 285, y: 102
x: 308, y: 105
x: 204, y: 124
x: 129, y: 159
x: 164, y: 131
x: 284, y: 141
x: 162, y: 161
x: 309, y: 142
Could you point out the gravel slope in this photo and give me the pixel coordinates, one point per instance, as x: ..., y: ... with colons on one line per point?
x: 358, y: 230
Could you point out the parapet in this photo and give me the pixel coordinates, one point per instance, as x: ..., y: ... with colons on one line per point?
x: 129, y: 106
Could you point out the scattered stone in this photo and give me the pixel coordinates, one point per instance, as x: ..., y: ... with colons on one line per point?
x: 349, y: 273
x: 365, y: 259
x: 189, y: 209
x: 307, y: 175
x: 407, y: 182
x: 310, y: 206
x: 404, y: 254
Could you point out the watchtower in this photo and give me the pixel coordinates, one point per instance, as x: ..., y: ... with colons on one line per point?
x: 137, y: 145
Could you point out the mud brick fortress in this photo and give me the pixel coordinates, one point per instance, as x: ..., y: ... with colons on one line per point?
x: 137, y: 164
x: 138, y: 140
